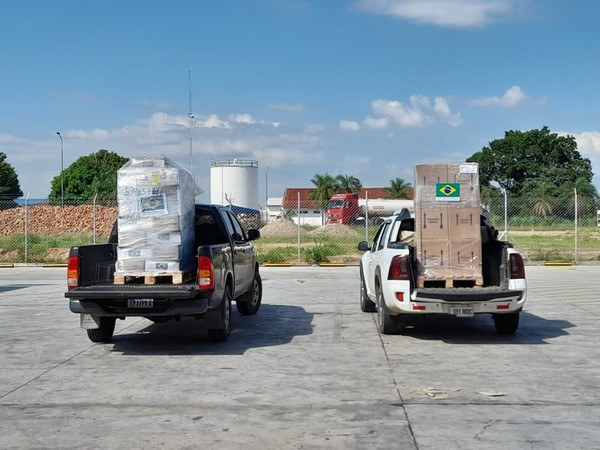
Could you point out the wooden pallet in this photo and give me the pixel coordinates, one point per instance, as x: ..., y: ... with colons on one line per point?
x: 157, y: 278
x: 450, y: 282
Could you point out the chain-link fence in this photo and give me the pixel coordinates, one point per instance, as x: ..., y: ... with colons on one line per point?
x: 554, y: 229
x: 36, y: 231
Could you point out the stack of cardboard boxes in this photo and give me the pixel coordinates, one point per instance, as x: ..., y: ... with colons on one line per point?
x: 447, y: 213
x: 156, y: 217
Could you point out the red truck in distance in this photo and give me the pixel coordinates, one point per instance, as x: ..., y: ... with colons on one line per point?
x: 349, y: 209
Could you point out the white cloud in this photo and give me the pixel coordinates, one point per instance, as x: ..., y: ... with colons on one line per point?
x: 313, y: 128
x: 37, y: 161
x: 443, y: 110
x: 511, y: 98
x: 376, y: 123
x: 242, y: 118
x: 418, y: 113
x: 213, y: 121
x: 445, y: 13
x: 349, y: 125
x: 587, y: 141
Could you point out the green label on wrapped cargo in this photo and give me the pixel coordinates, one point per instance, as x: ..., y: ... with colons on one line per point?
x: 447, y: 192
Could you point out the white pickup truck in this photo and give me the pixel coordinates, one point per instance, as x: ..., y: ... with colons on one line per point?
x: 388, y: 280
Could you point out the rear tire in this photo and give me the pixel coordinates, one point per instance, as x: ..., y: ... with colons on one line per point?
x: 506, y: 323
x: 222, y: 334
x: 105, y: 331
x: 385, y: 323
x: 249, y: 303
x: 366, y: 305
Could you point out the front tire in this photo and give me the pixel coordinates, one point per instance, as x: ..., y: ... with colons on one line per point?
x: 506, y: 323
x: 249, y: 303
x: 366, y: 305
x: 385, y: 322
x: 222, y: 333
x: 104, y: 332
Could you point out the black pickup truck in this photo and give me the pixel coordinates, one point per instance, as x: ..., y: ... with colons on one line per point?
x: 227, y: 270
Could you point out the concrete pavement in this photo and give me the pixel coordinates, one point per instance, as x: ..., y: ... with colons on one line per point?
x: 308, y: 371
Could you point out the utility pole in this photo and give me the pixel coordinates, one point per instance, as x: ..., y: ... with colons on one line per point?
x: 190, y: 116
x: 62, y: 185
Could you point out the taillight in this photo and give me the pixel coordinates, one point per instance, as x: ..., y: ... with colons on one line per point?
x: 516, y: 266
x: 73, y: 272
x: 399, y: 268
x: 206, y: 273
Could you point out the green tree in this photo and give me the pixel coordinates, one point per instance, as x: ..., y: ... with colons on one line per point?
x: 9, y: 184
x: 88, y: 176
x: 325, y: 187
x: 398, y: 188
x: 522, y: 156
x: 347, y: 184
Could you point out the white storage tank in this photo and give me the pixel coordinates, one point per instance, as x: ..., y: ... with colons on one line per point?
x: 235, y: 182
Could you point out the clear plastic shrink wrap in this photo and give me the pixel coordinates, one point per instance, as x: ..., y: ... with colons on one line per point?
x: 156, y: 217
x: 447, y: 209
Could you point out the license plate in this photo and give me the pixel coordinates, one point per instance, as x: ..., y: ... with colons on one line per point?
x: 140, y: 302
x: 462, y: 310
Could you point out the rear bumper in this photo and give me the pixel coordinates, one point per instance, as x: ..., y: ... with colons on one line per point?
x: 110, y: 300
x: 483, y: 300
x: 118, y: 308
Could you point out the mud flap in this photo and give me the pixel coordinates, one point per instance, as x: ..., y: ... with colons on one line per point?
x: 89, y: 322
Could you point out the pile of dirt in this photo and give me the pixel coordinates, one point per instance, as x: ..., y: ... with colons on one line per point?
x: 50, y: 220
x: 335, y: 229
x: 281, y: 227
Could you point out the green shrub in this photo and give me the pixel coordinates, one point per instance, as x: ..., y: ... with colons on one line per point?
x: 320, y: 253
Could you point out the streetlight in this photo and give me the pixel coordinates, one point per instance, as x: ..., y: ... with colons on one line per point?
x: 62, y: 186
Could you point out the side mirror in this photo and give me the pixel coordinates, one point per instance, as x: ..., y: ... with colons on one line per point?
x: 363, y: 246
x: 253, y: 234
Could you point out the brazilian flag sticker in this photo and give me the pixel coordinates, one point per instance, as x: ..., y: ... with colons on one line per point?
x: 447, y: 192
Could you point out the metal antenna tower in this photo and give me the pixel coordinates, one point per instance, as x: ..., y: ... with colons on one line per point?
x: 190, y: 116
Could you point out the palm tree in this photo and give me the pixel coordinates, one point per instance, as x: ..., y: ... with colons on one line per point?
x: 585, y: 188
x: 541, y: 196
x: 398, y: 188
x: 347, y: 184
x: 324, y: 188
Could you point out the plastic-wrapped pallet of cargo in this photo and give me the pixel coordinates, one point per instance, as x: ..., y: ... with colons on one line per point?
x: 156, y: 201
x: 447, y: 211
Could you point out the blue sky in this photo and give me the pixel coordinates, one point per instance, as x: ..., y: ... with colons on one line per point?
x: 363, y: 87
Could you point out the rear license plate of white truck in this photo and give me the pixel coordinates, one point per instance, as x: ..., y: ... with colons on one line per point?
x: 462, y: 310
x: 140, y: 302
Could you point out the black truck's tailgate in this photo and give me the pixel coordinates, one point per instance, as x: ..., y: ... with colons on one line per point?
x: 155, y: 291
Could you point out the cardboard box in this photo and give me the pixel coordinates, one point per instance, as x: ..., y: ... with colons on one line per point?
x: 430, y: 174
x: 465, y: 258
x: 463, y: 223
x: 466, y: 173
x: 432, y: 257
x: 432, y: 223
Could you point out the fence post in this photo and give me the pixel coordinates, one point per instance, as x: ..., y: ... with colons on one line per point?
x: 367, y: 216
x: 505, y: 234
x: 94, y: 217
x: 298, y: 215
x: 26, y: 228
x: 576, y: 223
